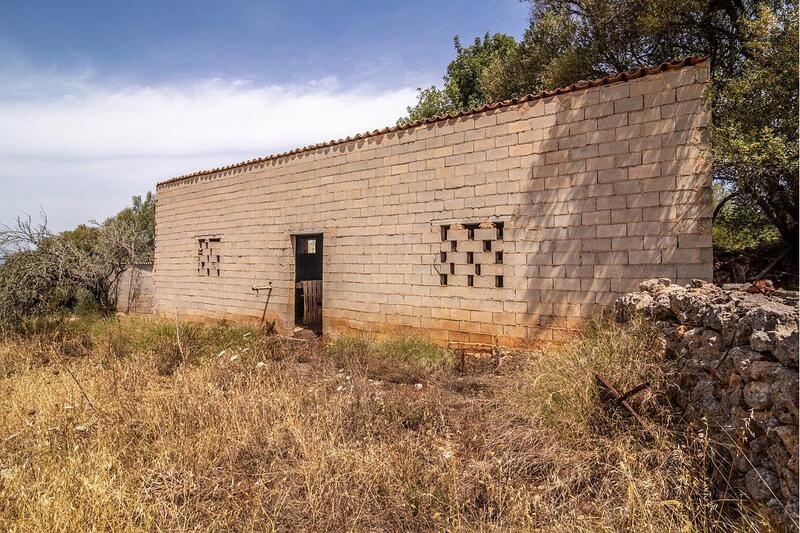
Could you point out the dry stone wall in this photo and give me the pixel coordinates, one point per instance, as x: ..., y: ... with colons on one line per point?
x: 596, y: 190
x: 737, y: 353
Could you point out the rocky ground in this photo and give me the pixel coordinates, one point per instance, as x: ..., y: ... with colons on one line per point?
x: 737, y: 353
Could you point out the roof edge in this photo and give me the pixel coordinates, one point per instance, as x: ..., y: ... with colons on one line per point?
x: 578, y: 86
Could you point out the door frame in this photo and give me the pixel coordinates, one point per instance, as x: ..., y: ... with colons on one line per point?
x: 297, y: 299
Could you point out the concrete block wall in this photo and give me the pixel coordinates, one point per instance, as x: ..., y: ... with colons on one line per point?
x: 597, y: 189
x: 135, y: 288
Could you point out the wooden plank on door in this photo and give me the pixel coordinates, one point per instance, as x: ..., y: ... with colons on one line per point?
x: 312, y: 301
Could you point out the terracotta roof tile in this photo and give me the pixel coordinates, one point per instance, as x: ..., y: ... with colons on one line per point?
x: 605, y: 80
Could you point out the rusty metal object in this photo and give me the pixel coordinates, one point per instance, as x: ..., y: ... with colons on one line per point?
x: 636, y: 390
x: 266, y: 303
x: 622, y: 399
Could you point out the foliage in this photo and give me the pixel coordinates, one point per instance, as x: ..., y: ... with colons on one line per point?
x: 755, y: 131
x: 544, y: 59
x: 140, y: 215
x: 752, y: 45
x: 740, y: 224
x: 463, y: 86
x: 44, y: 272
x: 431, y: 102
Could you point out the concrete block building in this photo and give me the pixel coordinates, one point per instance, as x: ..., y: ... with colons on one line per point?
x: 512, y: 221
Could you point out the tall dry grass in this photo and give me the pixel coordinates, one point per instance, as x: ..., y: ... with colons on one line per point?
x: 137, y: 423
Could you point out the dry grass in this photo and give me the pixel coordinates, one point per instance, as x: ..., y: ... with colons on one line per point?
x: 112, y: 424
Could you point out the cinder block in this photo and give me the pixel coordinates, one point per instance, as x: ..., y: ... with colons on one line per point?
x: 457, y: 280
x: 470, y: 246
x: 633, y: 103
x: 456, y: 257
x: 491, y: 269
x: 485, y: 258
x: 694, y: 241
x: 645, y: 143
x: 457, y: 235
x: 666, y: 96
x: 459, y: 269
x: 659, y: 241
x: 645, y: 228
x: 703, y: 271
x: 484, y: 281
x: 486, y: 234
x: 681, y: 256
x: 644, y: 257
x: 626, y: 243
x: 596, y: 245
x: 612, y: 230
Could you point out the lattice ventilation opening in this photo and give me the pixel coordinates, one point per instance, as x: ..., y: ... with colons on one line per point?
x: 209, y: 257
x: 471, y: 255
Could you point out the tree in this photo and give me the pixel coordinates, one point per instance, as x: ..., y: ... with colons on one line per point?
x: 140, y: 216
x: 739, y: 223
x: 43, y: 272
x: 545, y: 58
x: 755, y: 131
x: 463, y: 87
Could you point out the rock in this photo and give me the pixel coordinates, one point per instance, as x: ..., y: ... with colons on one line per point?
x: 705, y: 344
x: 769, y: 315
x: 788, y: 437
x: 784, y: 390
x: 757, y: 394
x: 655, y: 285
x: 762, y: 341
x: 722, y: 317
x: 704, y: 400
x: 785, y: 344
x: 662, y: 309
x: 687, y: 306
x: 735, y: 286
x: 632, y: 304
x: 760, y: 370
x: 741, y: 358
x: 732, y: 394
x: 762, y: 484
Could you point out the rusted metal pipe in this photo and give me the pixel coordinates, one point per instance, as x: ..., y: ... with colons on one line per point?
x: 266, y: 303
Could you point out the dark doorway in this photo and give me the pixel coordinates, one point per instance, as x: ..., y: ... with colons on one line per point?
x: 308, y: 282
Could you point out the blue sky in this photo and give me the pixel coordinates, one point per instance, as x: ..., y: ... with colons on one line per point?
x: 101, y: 99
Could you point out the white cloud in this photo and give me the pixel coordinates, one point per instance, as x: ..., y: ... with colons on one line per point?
x: 79, y: 149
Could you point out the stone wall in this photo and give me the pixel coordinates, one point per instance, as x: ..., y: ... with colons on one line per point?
x: 737, y: 353
x: 597, y: 189
x: 135, y: 289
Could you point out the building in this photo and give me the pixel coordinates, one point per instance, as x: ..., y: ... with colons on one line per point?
x: 512, y: 221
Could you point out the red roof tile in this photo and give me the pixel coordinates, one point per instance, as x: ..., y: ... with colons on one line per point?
x: 605, y: 80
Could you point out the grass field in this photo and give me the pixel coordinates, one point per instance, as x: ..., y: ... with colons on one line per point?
x: 138, y: 423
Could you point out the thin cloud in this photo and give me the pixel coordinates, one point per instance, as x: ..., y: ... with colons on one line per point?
x: 79, y: 147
